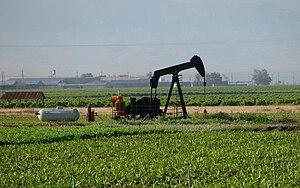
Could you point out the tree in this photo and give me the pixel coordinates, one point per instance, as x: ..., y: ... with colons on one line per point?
x: 87, y: 75
x: 261, y: 77
x: 198, y: 79
x: 214, y: 78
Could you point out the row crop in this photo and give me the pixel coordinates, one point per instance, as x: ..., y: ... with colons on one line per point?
x: 138, y: 92
x: 194, y: 96
x: 191, y: 100
x: 201, y: 159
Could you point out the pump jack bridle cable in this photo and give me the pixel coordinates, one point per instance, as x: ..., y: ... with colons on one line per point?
x: 204, y: 93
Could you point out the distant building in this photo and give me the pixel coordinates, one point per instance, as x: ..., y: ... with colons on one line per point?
x: 37, y: 96
x: 120, y: 81
x: 32, y: 83
x: 84, y: 82
x: 129, y: 83
x: 241, y: 83
x: 123, y: 81
x: 42, y: 83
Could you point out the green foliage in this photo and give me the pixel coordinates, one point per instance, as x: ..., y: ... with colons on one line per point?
x: 28, y: 129
x: 221, y: 116
x: 214, y: 78
x: 27, y: 135
x: 256, y: 118
x: 215, y: 159
x: 230, y: 102
x: 194, y: 96
x: 261, y: 77
x: 154, y: 153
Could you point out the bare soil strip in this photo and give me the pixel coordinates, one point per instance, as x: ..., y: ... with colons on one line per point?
x: 190, y: 109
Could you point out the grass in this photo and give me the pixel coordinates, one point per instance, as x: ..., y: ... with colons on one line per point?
x: 216, y: 159
x: 28, y: 129
x: 213, y: 150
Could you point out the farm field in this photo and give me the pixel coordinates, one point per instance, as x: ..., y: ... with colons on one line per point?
x: 194, y: 96
x: 231, y: 146
x: 207, y: 150
x: 144, y: 155
x: 211, y: 159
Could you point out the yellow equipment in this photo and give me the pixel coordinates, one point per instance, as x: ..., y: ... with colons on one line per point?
x: 118, y: 106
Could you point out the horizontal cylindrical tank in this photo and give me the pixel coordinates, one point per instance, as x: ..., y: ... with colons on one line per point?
x: 58, y: 114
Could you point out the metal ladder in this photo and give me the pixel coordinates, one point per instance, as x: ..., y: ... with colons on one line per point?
x: 177, y: 107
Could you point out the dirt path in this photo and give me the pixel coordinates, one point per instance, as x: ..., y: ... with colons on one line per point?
x: 190, y: 109
x: 247, y: 109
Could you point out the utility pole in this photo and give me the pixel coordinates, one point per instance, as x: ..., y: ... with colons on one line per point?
x: 3, y: 80
x: 248, y: 81
x: 294, y: 78
x: 22, y: 74
x: 272, y: 79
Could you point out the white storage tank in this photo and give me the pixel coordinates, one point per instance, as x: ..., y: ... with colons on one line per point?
x: 58, y: 114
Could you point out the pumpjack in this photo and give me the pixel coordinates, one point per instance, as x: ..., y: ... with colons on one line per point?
x: 149, y: 107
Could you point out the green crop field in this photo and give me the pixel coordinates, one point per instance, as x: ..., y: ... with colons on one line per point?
x: 194, y: 96
x: 163, y: 159
x: 206, y: 150
x: 213, y: 150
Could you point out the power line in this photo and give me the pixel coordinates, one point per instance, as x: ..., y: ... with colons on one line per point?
x: 144, y: 44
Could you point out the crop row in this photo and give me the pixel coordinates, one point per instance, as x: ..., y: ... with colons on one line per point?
x: 191, y: 100
x: 107, y: 92
x: 194, y: 96
x: 203, y: 159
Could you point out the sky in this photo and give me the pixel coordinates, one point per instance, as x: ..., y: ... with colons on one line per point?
x: 134, y: 37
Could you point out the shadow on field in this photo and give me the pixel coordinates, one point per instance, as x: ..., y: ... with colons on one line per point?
x: 86, y: 136
x: 278, y: 128
x: 119, y: 133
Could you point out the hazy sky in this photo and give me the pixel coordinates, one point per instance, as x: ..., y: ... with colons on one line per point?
x: 232, y: 37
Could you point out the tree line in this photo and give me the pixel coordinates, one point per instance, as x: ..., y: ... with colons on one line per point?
x: 259, y: 77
